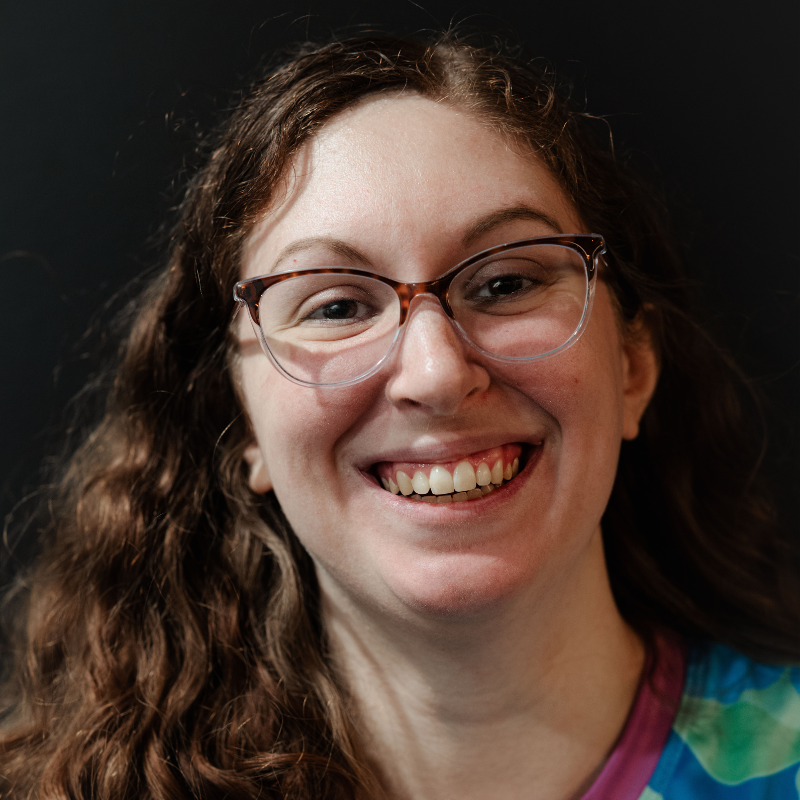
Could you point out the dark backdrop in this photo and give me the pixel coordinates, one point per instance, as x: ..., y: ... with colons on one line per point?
x: 100, y: 101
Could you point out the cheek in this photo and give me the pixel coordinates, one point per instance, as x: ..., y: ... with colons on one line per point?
x: 593, y: 392
x: 584, y: 382
x: 593, y: 418
x: 581, y: 390
x: 297, y: 428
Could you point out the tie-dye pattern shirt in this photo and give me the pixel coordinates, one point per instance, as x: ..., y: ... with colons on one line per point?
x: 732, y: 733
x: 736, y: 735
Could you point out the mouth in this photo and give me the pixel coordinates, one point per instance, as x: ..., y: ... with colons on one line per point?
x: 466, y: 479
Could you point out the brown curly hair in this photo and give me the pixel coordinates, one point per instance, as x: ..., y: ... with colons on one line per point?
x: 171, y: 644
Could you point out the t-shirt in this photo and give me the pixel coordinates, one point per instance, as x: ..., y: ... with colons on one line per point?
x: 710, y: 724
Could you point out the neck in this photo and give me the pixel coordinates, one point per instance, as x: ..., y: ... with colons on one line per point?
x: 524, y: 701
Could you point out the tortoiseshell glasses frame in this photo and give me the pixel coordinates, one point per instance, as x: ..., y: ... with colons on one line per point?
x: 590, y: 247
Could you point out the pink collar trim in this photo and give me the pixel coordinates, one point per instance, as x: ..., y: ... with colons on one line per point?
x: 633, y: 760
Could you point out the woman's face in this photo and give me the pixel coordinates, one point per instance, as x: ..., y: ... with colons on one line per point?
x: 406, y: 187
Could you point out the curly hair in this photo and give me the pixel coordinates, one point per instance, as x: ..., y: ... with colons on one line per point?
x: 171, y: 643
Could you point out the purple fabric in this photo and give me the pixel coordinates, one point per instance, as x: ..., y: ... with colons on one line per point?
x: 633, y: 760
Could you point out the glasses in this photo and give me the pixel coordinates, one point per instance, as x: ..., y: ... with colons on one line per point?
x: 335, y: 326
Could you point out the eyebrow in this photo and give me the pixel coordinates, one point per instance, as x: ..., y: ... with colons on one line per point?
x: 478, y: 229
x: 337, y: 246
x: 497, y: 218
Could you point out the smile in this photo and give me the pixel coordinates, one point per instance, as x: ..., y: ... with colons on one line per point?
x: 468, y: 478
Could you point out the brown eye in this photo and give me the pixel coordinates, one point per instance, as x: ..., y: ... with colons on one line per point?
x: 508, y: 284
x: 341, y: 309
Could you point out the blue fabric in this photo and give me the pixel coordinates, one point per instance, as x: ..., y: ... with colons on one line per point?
x: 736, y: 735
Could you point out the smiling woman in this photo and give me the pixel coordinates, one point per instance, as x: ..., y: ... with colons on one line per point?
x: 460, y: 503
x: 408, y: 186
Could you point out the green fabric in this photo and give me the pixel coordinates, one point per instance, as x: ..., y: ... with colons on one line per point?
x: 755, y: 736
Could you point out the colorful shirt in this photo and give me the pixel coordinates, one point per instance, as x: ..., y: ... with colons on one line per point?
x: 732, y: 733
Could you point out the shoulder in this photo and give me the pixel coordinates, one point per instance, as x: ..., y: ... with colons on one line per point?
x: 736, y: 733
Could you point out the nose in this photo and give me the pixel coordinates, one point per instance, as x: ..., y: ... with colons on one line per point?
x: 434, y: 368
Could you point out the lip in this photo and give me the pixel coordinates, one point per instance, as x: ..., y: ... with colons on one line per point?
x: 505, y: 492
x: 442, y: 451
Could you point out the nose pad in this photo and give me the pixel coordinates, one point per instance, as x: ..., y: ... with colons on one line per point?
x: 433, y: 315
x: 430, y: 304
x: 433, y: 364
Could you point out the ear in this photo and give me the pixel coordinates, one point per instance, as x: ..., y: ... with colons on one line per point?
x: 640, y: 374
x: 258, y: 476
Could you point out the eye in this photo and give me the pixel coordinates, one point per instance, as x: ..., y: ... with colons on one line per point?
x: 339, y: 309
x: 321, y: 310
x: 504, y: 280
x: 326, y: 307
x: 503, y: 286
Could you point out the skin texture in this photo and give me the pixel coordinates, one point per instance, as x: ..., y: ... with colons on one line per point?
x: 480, y: 640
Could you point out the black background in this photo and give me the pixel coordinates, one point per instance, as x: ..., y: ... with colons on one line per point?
x: 100, y: 101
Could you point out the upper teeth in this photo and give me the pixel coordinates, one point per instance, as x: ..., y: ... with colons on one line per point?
x: 441, y: 481
x: 463, y: 481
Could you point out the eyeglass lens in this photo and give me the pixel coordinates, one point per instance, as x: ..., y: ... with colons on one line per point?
x: 331, y: 328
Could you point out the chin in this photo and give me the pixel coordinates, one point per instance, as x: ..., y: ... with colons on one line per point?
x: 459, y: 586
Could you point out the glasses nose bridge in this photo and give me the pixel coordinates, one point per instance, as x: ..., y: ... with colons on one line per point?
x: 408, y: 291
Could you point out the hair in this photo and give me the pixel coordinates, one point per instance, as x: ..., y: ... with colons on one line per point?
x: 170, y: 637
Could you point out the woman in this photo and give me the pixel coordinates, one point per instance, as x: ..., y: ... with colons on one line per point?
x: 379, y: 534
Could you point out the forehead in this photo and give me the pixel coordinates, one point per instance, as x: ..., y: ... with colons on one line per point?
x: 404, y: 177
